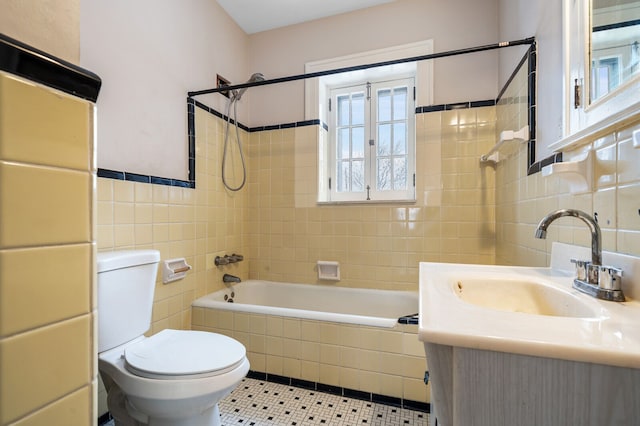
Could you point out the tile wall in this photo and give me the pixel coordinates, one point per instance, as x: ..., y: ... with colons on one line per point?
x: 197, y: 224
x: 377, y: 245
x: 522, y: 201
x: 47, y: 245
x: 375, y: 360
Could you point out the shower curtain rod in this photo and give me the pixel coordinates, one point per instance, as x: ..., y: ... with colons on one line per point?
x: 500, y: 45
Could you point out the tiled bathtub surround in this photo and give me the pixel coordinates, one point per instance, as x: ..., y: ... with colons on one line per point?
x: 47, y: 234
x: 372, y: 360
x: 378, y: 245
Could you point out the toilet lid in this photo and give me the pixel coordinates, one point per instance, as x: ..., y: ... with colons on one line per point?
x: 176, y: 354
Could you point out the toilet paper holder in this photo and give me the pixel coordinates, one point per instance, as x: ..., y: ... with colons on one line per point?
x: 174, y: 269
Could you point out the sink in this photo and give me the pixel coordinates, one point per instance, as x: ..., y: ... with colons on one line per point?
x: 521, y: 296
x: 531, y: 310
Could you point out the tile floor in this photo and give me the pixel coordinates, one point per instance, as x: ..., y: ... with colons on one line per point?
x: 257, y: 403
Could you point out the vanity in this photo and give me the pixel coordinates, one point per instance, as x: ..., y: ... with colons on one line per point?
x: 520, y: 346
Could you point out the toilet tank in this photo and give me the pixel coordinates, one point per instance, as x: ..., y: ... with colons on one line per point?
x: 126, y: 283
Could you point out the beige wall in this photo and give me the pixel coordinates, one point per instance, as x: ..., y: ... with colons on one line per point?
x: 50, y: 25
x: 159, y: 52
x: 47, y: 243
x: 453, y: 24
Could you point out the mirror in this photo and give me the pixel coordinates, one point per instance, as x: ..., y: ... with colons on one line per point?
x: 615, y: 45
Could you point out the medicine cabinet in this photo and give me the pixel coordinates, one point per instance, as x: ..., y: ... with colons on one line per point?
x: 601, y: 44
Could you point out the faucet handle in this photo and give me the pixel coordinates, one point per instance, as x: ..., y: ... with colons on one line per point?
x: 221, y: 261
x: 581, y: 268
x: 610, y: 278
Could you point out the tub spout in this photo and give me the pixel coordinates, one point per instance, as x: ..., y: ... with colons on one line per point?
x: 228, y: 278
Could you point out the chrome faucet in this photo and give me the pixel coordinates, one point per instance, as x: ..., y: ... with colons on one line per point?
x: 596, y: 239
x: 228, y: 278
x: 603, y: 282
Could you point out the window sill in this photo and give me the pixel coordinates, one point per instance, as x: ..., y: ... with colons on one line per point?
x: 337, y: 203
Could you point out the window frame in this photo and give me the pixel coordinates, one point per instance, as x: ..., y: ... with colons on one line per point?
x: 371, y: 125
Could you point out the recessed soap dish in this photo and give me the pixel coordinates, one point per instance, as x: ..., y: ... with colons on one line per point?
x: 328, y: 270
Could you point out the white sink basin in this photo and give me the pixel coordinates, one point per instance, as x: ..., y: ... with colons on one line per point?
x: 531, y: 311
x: 522, y: 296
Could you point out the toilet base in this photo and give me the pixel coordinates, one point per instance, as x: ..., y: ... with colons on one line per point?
x: 126, y: 415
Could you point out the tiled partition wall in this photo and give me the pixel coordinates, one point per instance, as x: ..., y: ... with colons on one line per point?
x: 368, y: 360
x: 197, y: 224
x: 47, y: 244
x: 377, y: 245
x: 523, y: 200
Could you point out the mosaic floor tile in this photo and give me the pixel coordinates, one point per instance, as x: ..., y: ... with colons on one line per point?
x: 260, y: 403
x: 257, y: 403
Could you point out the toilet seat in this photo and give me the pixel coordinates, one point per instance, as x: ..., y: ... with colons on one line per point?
x: 182, y: 354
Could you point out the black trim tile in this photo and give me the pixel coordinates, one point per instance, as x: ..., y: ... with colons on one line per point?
x: 416, y: 405
x: 459, y: 105
x: 480, y: 104
x: 279, y: 379
x: 256, y: 375
x: 387, y: 400
x: 356, y: 394
x: 305, y: 384
x: 137, y: 178
x: 110, y: 174
x: 36, y: 65
x: 335, y: 390
x: 160, y: 181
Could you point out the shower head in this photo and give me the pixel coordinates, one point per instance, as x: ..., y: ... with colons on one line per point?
x: 237, y: 94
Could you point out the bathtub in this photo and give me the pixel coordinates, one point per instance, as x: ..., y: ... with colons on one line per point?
x: 376, y: 308
x: 332, y: 337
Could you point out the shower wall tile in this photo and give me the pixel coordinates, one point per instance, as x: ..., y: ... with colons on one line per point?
x: 198, y: 224
x: 379, y: 246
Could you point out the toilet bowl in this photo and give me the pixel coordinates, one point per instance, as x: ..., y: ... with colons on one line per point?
x: 175, y: 377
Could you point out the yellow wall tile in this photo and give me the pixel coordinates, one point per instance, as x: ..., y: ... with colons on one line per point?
x: 41, y: 206
x: 41, y: 126
x: 72, y: 410
x: 43, y: 285
x: 27, y: 382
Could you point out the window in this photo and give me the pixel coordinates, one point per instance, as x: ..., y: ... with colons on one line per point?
x: 372, y: 141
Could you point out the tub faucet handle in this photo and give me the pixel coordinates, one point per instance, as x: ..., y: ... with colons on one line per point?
x: 221, y: 261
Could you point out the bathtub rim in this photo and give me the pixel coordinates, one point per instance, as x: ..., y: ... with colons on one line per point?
x: 207, y: 301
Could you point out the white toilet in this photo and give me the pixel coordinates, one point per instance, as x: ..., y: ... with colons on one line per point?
x: 174, y: 377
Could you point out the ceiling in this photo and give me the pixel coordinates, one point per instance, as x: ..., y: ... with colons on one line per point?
x: 260, y: 15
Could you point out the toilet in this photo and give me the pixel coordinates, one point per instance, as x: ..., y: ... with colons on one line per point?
x: 175, y: 377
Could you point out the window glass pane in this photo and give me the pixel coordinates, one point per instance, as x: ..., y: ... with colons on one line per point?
x: 343, y: 110
x: 357, y: 176
x: 343, y: 143
x: 343, y: 176
x: 384, y: 139
x: 357, y: 109
x: 399, y: 173
x: 357, y: 142
x: 384, y: 174
x: 399, y: 139
x: 384, y: 105
x: 400, y: 103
